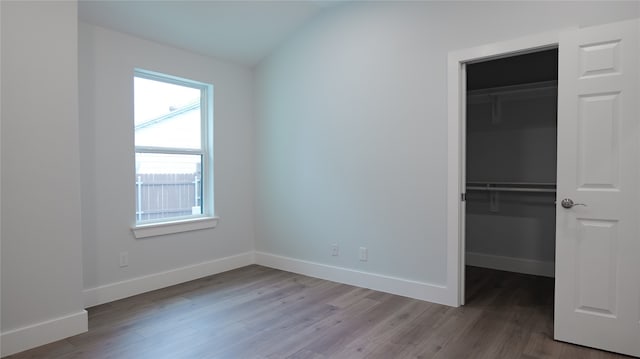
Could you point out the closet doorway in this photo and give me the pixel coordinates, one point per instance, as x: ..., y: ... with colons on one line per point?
x: 596, y: 291
x: 511, y: 153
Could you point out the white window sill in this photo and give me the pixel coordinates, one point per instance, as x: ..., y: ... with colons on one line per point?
x: 159, y: 229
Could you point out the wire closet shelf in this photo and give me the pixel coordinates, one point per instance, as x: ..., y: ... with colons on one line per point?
x: 511, y: 186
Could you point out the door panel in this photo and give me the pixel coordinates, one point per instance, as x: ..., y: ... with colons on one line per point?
x: 598, y: 138
x: 596, y: 267
x: 600, y: 58
x: 597, y: 299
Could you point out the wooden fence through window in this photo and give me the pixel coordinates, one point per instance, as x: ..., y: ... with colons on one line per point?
x: 163, y: 195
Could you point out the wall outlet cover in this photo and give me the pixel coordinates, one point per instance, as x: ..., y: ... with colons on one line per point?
x: 364, y: 254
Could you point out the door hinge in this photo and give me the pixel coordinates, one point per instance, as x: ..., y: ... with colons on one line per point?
x: 463, y: 197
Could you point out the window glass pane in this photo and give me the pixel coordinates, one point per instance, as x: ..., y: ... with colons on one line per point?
x: 168, y: 185
x: 166, y: 115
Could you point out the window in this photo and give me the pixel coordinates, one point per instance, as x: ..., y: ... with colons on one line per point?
x: 173, y: 153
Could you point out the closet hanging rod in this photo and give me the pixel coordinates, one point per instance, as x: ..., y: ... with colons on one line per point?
x: 510, y: 189
x: 527, y: 184
x: 511, y: 89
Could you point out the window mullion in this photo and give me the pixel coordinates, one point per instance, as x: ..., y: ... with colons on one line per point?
x: 173, y: 151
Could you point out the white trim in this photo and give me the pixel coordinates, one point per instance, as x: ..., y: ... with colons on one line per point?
x: 455, y: 249
x: 114, y: 291
x: 162, y: 228
x: 511, y: 264
x: 35, y: 335
x: 394, y: 285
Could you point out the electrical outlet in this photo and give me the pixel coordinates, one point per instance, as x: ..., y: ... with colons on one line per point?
x: 124, y: 259
x: 335, y: 250
x: 364, y: 254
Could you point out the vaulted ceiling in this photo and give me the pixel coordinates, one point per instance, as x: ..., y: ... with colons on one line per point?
x: 238, y: 31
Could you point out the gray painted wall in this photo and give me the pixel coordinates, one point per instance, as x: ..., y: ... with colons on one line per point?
x: 352, y: 127
x: 41, y: 238
x: 107, y: 61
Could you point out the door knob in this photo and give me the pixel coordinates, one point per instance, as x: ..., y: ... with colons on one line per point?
x: 568, y: 203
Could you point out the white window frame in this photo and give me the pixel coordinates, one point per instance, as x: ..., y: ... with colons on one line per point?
x: 207, y: 219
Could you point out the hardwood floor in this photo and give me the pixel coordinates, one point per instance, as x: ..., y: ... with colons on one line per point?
x: 258, y: 312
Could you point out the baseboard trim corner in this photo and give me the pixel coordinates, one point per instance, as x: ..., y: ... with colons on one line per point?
x: 130, y: 287
x: 35, y: 335
x: 511, y: 264
x: 399, y: 286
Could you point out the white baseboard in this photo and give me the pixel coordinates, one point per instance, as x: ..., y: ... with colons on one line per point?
x: 21, y: 339
x: 511, y: 264
x: 408, y: 288
x: 127, y: 288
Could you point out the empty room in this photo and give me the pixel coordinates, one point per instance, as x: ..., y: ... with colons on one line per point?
x: 319, y: 179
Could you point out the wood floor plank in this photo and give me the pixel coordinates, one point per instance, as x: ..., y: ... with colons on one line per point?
x: 377, y: 341
x: 299, y: 337
x: 259, y: 312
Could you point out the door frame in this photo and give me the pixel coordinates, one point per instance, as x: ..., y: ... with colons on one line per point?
x: 456, y: 141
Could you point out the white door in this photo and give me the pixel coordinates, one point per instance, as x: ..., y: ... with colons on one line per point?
x: 597, y: 298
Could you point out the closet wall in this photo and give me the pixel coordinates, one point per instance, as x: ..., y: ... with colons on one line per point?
x: 511, y: 144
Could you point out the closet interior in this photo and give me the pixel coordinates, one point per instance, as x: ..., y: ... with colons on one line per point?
x: 511, y: 134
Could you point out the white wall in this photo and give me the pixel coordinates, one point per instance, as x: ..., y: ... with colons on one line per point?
x: 107, y: 60
x: 352, y: 127
x: 41, y: 240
